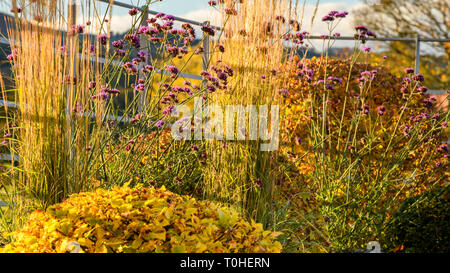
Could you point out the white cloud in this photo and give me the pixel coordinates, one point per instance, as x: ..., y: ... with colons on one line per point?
x: 202, y: 15
x: 121, y: 23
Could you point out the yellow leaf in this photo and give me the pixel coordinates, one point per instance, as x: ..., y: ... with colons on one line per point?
x: 136, y: 243
x: 127, y: 184
x: 200, y: 247
x: 275, y: 234
x: 179, y: 249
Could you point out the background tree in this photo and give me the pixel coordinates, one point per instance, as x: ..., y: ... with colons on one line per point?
x: 429, y: 18
x: 408, y: 18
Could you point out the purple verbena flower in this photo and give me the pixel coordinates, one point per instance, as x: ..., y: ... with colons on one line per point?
x: 199, y: 50
x: 222, y: 76
x: 208, y: 30
x: 327, y: 18
x: 76, y: 29
x: 140, y: 87
x: 443, y: 148
x: 118, y: 44
x: 102, y: 38
x: 18, y: 9
x: 168, y: 17
x: 211, y: 88
x: 130, y: 68
x: 329, y: 86
x: 318, y: 82
x: 418, y: 77
x: 335, y: 79
x: 133, y: 11
x: 258, y: 182
x: 381, y: 110
x: 142, y: 30
x: 12, y: 56
x: 194, y: 147
x: 168, y: 110
x: 91, y: 85
x: 120, y: 52
x: 114, y: 91
x: 407, y: 80
x: 422, y: 89
x: 101, y: 96
x: 221, y: 48
x: 159, y: 123
x: 409, y: 70
x: 134, y: 40
x: 341, y: 14
x: 173, y: 70
x: 365, y: 109
x: 361, y: 28
x: 142, y: 55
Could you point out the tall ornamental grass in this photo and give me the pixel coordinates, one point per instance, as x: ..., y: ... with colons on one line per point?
x: 70, y: 78
x: 238, y: 171
x: 42, y: 89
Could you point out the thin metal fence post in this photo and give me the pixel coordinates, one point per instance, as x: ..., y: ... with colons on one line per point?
x: 206, y: 49
x: 417, y: 64
x: 205, y: 63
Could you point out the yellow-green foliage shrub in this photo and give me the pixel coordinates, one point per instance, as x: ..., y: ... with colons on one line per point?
x: 139, y: 220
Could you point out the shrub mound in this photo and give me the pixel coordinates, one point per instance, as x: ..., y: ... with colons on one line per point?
x: 139, y: 219
x: 385, y: 90
x: 421, y: 224
x: 380, y: 143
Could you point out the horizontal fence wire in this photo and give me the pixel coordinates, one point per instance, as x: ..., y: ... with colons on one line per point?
x: 384, y: 39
